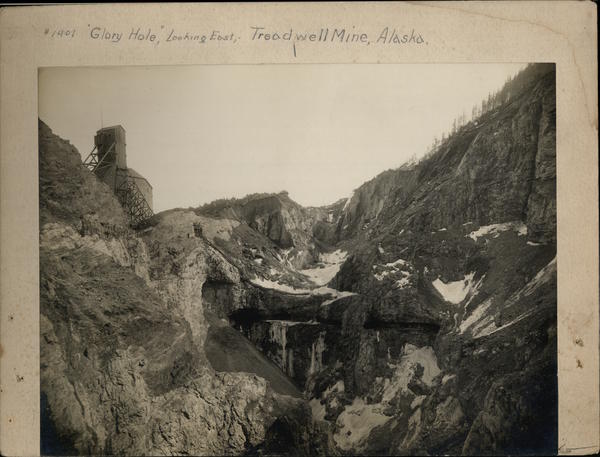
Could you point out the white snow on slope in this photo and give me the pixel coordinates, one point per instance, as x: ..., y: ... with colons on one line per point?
x: 488, y: 327
x: 417, y: 401
x: 356, y: 423
x: 347, y: 204
x: 477, y: 315
x: 331, y: 263
x: 402, y: 283
x: 318, y: 409
x: 357, y: 420
x: 541, y: 277
x: 491, y: 328
x: 404, y: 370
x: 329, y: 291
x: 448, y: 377
x: 456, y: 291
x: 321, y: 276
x: 328, y: 398
x: 337, y: 256
x: 338, y: 295
x: 274, y: 285
x: 269, y: 284
x: 392, y: 268
x: 496, y: 229
x: 399, y: 262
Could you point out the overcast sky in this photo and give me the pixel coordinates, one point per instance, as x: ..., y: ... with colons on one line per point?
x: 199, y: 133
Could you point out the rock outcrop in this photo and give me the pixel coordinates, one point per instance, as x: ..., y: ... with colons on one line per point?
x: 129, y: 363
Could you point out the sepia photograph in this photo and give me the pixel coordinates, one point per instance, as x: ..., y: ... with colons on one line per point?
x: 298, y: 259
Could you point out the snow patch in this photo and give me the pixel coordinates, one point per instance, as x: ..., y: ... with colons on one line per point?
x: 417, y: 401
x: 483, y: 326
x: 456, y: 291
x: 393, y: 268
x: 396, y: 263
x: 405, y: 370
x: 402, y: 283
x: 269, y: 284
x: 488, y: 326
x: 321, y: 275
x: 491, y: 329
x: 330, y: 265
x: 337, y: 387
x: 496, y: 229
x: 448, y: 377
x: 318, y: 409
x: 329, y: 291
x: 339, y: 295
x: 541, y: 277
x: 475, y: 316
x: 274, y: 285
x: 328, y: 398
x: 347, y: 204
x: 356, y: 422
x: 337, y: 256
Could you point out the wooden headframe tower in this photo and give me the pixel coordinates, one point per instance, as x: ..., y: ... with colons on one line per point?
x: 108, y: 161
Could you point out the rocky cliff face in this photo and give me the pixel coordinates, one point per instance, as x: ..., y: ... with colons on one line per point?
x: 275, y: 216
x: 416, y: 317
x: 129, y: 358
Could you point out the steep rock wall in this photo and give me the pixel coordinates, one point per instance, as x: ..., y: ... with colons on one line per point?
x: 124, y: 365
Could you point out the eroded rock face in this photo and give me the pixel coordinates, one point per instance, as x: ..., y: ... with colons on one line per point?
x: 125, y: 370
x: 124, y: 362
x: 80, y: 195
x: 275, y: 216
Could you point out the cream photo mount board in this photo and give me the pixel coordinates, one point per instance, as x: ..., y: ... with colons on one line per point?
x: 563, y: 33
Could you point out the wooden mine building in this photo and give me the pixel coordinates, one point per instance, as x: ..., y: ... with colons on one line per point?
x: 108, y: 160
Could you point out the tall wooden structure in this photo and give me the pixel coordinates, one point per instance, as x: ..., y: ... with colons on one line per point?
x: 108, y: 161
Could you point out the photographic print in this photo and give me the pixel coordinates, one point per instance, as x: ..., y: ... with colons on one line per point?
x: 302, y: 259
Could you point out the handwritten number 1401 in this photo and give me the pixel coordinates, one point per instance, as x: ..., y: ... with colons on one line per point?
x: 60, y: 33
